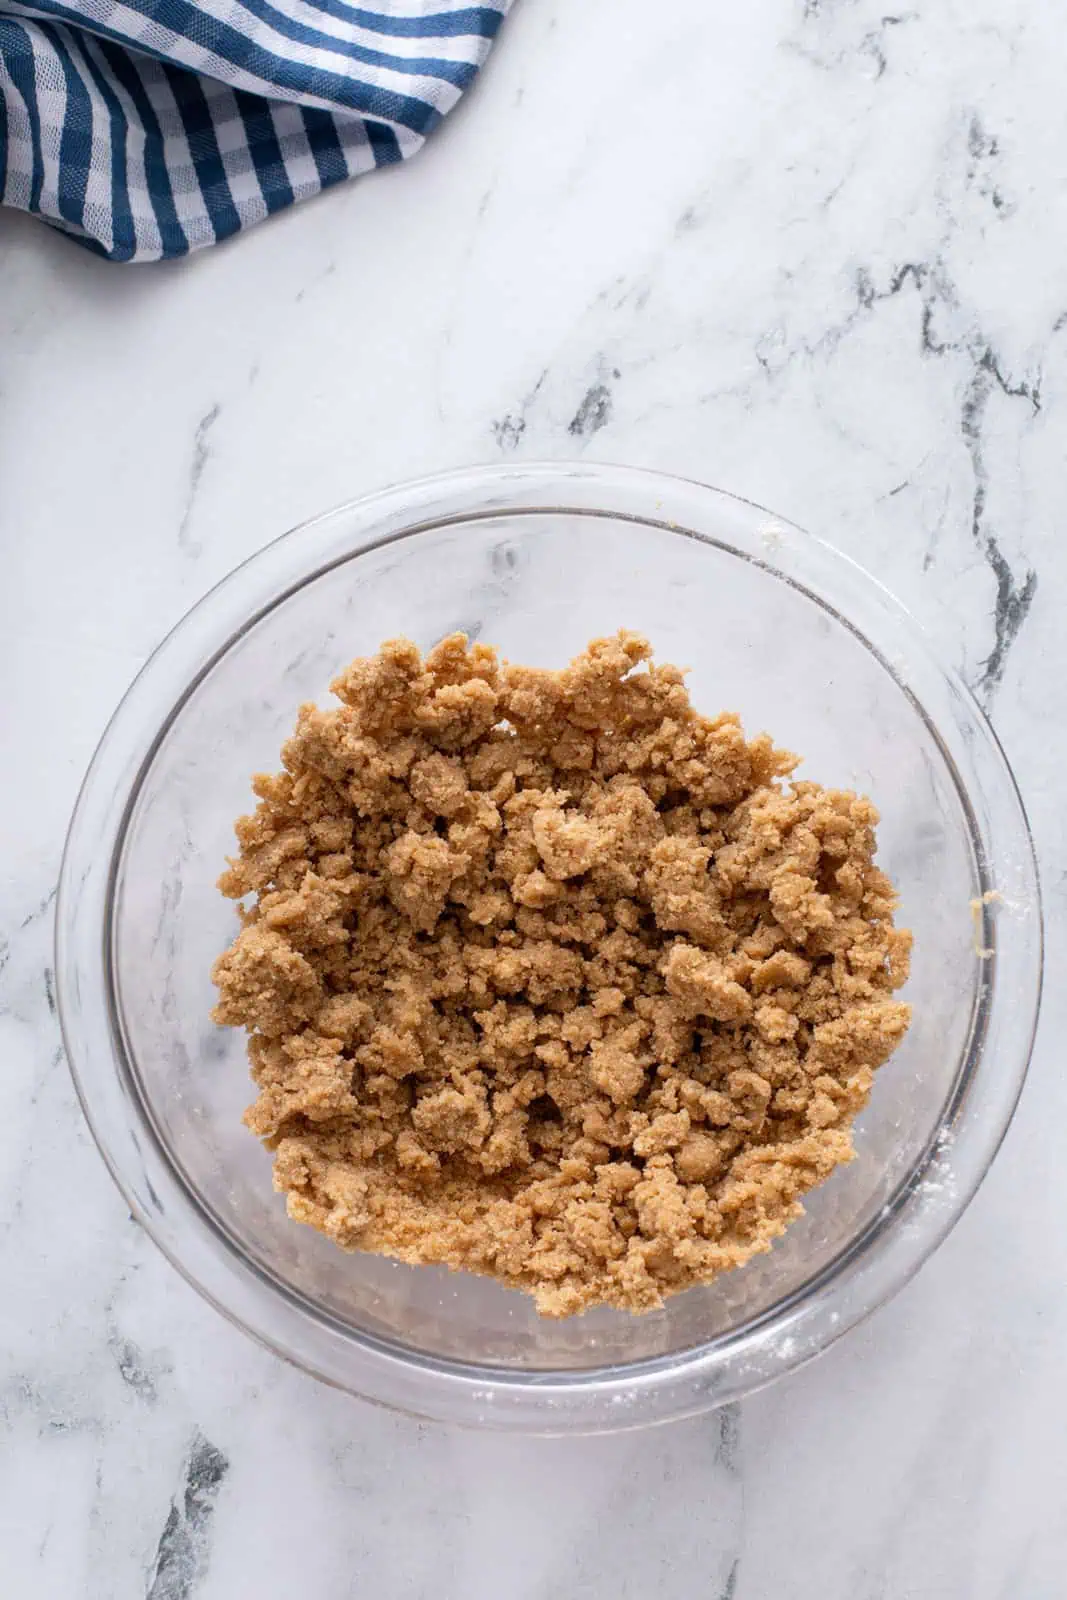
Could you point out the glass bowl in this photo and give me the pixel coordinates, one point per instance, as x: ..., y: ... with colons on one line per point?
x: 538, y: 560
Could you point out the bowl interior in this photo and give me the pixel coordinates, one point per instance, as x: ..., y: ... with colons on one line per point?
x: 538, y: 585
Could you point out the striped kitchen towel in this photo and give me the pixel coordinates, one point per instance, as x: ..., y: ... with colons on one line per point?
x: 149, y: 128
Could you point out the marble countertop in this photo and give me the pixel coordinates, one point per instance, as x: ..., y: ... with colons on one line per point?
x: 808, y: 250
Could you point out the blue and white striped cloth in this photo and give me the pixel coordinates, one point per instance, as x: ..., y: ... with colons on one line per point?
x: 149, y: 128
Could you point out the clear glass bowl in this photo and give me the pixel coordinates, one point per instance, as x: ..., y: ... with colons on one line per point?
x: 538, y: 560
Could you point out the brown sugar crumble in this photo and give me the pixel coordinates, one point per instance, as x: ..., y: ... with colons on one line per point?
x: 546, y: 976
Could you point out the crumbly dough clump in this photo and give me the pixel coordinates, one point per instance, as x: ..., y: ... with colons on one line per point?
x: 549, y: 977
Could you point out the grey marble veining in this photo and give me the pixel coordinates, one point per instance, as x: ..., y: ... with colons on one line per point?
x: 814, y: 251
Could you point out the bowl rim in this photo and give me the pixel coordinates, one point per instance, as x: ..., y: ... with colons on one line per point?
x: 927, y: 1201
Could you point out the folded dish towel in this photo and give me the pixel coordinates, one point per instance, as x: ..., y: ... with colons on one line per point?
x: 149, y: 128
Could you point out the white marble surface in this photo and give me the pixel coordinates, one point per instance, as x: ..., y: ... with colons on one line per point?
x: 811, y: 250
